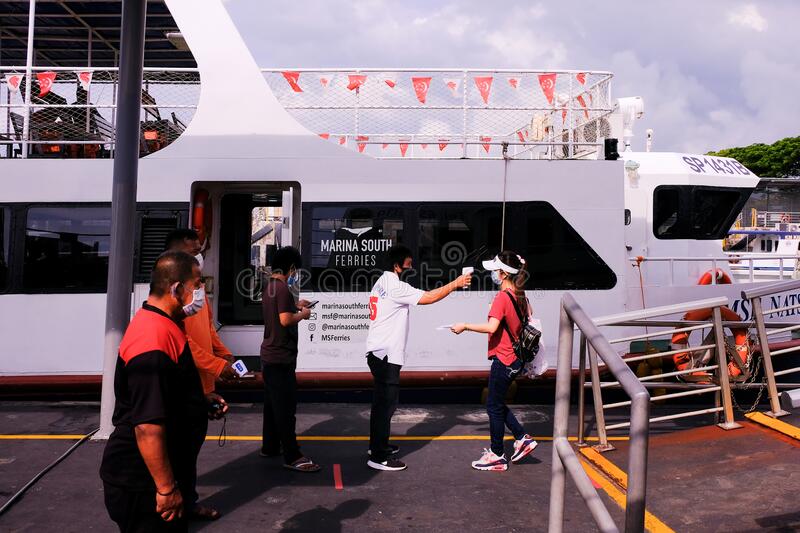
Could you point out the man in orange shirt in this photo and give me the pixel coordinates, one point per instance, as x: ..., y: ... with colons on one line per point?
x: 211, y: 357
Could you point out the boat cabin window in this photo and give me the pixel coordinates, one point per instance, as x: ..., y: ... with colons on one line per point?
x: 348, y: 244
x: 450, y: 237
x: 5, y: 241
x: 558, y: 258
x: 344, y: 245
x: 66, y: 248
x: 696, y: 212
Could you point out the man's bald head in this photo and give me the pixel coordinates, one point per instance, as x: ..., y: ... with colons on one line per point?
x: 171, y: 268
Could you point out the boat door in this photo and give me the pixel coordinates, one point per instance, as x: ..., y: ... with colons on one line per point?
x: 254, y: 220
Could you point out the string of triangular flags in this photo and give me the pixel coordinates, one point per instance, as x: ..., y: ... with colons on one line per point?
x: 46, y: 80
x: 421, y: 85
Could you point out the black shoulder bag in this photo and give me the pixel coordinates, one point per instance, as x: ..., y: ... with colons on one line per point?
x: 526, y: 344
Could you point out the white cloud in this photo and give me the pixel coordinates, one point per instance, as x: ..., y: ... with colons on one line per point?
x: 747, y: 16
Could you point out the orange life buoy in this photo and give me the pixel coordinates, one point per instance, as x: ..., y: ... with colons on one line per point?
x: 786, y: 218
x: 683, y: 360
x: 722, y: 278
x: 201, y: 215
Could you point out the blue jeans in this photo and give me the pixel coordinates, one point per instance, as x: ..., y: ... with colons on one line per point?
x: 500, y: 416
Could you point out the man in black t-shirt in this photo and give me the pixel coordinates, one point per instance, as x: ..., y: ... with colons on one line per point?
x: 279, y: 362
x: 147, y: 463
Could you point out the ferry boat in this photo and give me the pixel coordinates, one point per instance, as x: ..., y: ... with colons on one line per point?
x: 767, y: 249
x: 456, y: 164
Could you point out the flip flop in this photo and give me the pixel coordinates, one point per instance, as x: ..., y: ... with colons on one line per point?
x: 304, y: 464
x: 204, y: 514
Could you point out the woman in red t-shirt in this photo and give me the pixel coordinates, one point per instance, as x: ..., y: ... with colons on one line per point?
x: 510, y: 273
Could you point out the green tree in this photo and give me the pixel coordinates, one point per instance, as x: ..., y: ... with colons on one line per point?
x: 777, y: 160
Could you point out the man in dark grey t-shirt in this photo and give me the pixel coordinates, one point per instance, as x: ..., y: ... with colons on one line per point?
x: 279, y: 362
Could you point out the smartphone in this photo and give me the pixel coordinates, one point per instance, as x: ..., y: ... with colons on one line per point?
x: 312, y: 304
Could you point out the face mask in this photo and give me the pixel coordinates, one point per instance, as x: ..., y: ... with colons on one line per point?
x: 197, y: 303
x: 199, y: 258
x: 294, y: 279
x: 496, y: 277
x: 404, y: 274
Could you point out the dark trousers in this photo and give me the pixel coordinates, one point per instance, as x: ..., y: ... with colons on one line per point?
x: 135, y: 512
x: 500, y: 416
x: 189, y: 486
x: 386, y: 379
x: 280, y: 407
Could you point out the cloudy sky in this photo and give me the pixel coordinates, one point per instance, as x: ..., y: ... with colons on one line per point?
x: 714, y: 74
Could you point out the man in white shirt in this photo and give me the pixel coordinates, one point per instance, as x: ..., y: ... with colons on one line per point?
x: 389, y: 304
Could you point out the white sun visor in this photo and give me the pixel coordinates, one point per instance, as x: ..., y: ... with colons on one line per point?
x: 496, y: 264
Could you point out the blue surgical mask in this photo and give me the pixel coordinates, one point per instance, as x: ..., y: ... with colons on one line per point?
x: 294, y: 279
x: 496, y: 277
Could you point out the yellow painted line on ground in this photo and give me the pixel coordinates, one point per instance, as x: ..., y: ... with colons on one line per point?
x: 316, y: 438
x: 651, y: 522
x: 41, y: 437
x: 607, y: 467
x: 773, y: 423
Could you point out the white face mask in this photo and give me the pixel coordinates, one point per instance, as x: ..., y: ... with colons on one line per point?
x: 496, y: 277
x: 199, y: 258
x: 197, y: 303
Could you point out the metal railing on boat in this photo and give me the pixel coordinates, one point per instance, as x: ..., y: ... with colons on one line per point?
x: 732, y: 260
x: 451, y: 113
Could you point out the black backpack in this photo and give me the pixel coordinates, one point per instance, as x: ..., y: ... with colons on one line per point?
x: 526, y: 344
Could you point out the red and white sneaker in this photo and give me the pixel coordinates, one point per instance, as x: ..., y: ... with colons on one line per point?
x: 491, y: 461
x: 522, y: 448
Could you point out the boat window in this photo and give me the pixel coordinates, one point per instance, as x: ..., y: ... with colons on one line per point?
x: 348, y: 245
x: 450, y: 237
x: 5, y: 235
x: 558, y: 258
x: 696, y: 212
x: 66, y: 248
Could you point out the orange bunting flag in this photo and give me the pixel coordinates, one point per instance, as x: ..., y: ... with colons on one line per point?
x: 342, y: 139
x: 443, y: 144
x: 324, y: 81
x: 384, y: 146
x: 362, y: 145
x: 356, y: 81
x: 581, y: 101
x: 13, y: 81
x: 85, y: 79
x: 581, y: 77
x: 484, y: 84
x: 421, y: 86
x: 452, y: 84
x: 403, y: 148
x: 391, y: 82
x: 486, y: 146
x: 548, y: 84
x: 521, y: 136
x: 514, y: 82
x: 291, y: 78
x: 424, y: 146
x: 325, y: 136
x: 46, y: 80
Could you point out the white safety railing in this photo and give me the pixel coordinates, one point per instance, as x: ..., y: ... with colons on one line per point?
x: 67, y: 120
x: 771, y: 218
x: 749, y: 264
x: 451, y: 113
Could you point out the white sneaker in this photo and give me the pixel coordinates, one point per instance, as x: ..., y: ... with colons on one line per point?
x: 491, y: 461
x: 522, y: 448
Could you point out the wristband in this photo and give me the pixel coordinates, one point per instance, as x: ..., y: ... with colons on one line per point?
x: 174, y: 488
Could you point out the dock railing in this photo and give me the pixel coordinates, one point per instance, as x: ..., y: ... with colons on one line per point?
x: 734, y: 261
x: 715, y: 371
x: 764, y: 332
x: 565, y: 459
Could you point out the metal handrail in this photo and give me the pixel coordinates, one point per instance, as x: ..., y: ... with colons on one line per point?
x: 755, y: 295
x: 564, y: 457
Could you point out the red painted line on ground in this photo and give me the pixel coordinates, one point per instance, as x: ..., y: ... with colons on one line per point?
x: 337, y: 477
